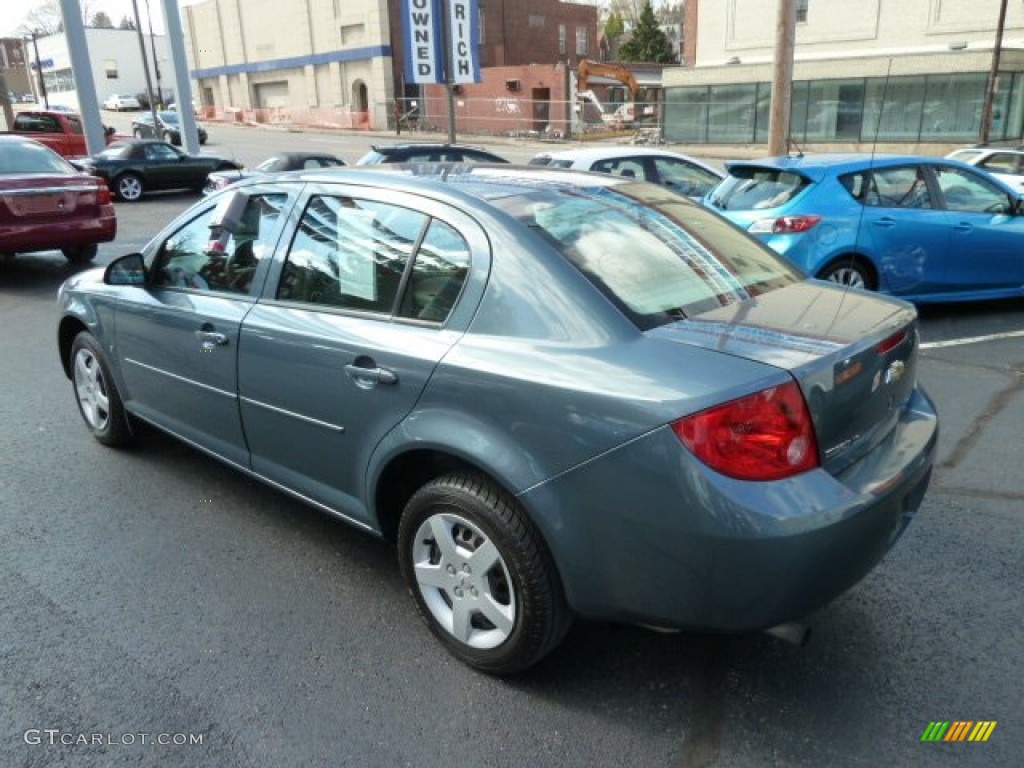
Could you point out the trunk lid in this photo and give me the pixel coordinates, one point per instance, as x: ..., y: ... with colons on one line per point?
x: 29, y: 199
x: 853, y: 354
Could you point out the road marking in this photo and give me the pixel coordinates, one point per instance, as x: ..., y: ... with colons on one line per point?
x: 971, y: 340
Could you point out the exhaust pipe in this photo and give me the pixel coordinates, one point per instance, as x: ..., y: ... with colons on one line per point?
x: 791, y: 632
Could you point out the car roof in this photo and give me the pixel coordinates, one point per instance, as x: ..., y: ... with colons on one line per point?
x: 602, y: 153
x: 416, y: 145
x: 483, y: 181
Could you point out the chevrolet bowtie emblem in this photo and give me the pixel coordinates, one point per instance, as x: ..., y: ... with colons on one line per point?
x: 895, y: 372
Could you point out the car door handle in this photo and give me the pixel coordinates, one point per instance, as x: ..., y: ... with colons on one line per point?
x: 211, y: 338
x: 963, y: 226
x: 364, y: 376
x: 885, y: 221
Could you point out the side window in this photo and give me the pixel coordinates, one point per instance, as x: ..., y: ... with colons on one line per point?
x: 620, y: 167
x: 969, y: 192
x: 160, y: 152
x: 903, y: 187
x: 684, y: 178
x: 438, y: 274
x: 350, y: 253
x: 204, y: 257
x: 1001, y: 162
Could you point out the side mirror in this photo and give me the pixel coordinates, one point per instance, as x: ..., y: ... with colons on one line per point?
x: 127, y: 270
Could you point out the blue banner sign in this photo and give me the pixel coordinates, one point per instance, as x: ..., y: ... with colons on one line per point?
x: 425, y: 59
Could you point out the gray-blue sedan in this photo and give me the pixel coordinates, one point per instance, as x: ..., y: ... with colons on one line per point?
x: 562, y: 394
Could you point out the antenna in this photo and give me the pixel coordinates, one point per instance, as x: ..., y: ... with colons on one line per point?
x: 869, y: 176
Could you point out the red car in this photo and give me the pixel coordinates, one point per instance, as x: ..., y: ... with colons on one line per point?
x: 46, y: 204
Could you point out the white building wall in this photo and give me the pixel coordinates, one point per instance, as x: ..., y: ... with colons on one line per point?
x: 117, y: 47
x: 745, y: 29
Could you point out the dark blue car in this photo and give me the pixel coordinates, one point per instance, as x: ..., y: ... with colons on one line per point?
x: 922, y: 228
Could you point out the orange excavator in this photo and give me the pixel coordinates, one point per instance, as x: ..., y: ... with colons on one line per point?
x: 587, y: 69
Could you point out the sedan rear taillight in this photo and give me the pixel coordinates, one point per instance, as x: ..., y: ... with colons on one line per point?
x: 768, y: 435
x: 103, y: 197
x: 783, y: 225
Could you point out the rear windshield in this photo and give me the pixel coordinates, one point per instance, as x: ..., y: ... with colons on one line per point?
x: 30, y: 157
x: 657, y: 257
x: 748, y: 188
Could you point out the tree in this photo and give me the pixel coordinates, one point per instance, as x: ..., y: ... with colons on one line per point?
x: 46, y: 18
x: 126, y: 23
x: 613, y: 29
x: 102, y: 21
x: 649, y: 42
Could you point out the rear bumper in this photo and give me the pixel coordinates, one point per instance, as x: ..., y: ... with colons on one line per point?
x: 57, y: 234
x: 647, y: 534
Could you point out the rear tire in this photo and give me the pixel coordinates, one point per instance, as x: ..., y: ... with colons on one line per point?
x: 129, y: 187
x: 82, y: 254
x: 98, y: 400
x: 481, y: 574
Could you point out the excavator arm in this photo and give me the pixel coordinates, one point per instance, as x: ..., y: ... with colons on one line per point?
x: 588, y: 69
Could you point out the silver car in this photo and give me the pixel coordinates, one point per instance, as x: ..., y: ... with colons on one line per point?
x: 560, y: 394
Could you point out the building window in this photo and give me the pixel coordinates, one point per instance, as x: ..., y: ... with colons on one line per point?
x: 536, y: 20
x: 561, y: 38
x: 581, y: 41
x: 483, y: 26
x: 801, y: 11
x: 110, y: 67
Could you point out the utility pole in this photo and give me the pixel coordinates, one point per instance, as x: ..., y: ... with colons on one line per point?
x: 156, y: 64
x: 157, y: 133
x: 782, y: 78
x: 39, y: 72
x: 993, y: 77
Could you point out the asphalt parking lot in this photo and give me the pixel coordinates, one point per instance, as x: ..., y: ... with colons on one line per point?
x: 155, y: 591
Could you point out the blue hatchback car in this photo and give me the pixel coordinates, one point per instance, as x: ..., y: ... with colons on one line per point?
x: 922, y: 228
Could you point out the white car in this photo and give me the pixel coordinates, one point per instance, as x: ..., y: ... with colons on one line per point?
x: 1007, y: 165
x: 680, y: 173
x: 118, y: 103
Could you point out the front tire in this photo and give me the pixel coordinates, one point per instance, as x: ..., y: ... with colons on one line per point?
x: 82, y: 254
x: 129, y: 187
x: 98, y: 400
x: 481, y: 575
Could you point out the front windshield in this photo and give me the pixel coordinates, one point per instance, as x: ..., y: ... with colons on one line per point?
x: 657, y: 257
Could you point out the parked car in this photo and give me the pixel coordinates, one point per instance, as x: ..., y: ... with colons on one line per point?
x: 680, y: 173
x: 133, y: 167
x: 560, y: 393
x: 279, y: 163
x: 118, y: 103
x: 1007, y: 165
x: 428, y: 152
x: 60, y: 131
x: 46, y: 204
x: 169, y: 129
x: 923, y: 228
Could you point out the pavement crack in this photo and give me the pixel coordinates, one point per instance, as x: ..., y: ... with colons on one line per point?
x: 995, y: 406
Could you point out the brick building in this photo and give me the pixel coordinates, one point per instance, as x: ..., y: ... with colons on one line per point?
x: 527, y: 48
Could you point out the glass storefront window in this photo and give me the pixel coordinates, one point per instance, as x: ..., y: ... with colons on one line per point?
x: 938, y: 108
x: 731, y: 113
x: 952, y: 107
x: 762, y: 112
x: 686, y: 114
x: 892, y: 109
